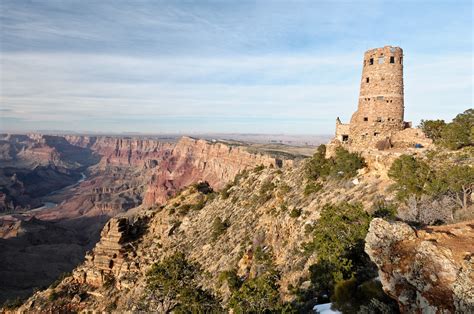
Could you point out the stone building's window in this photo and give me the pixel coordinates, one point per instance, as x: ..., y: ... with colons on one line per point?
x: 376, y: 133
x: 401, y: 60
x: 379, y: 119
x: 345, y: 138
x: 111, y: 264
x: 380, y: 60
x: 366, y: 79
x: 392, y: 59
x: 371, y: 61
x: 366, y: 119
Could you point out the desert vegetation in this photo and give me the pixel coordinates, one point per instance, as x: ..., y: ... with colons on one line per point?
x: 173, y: 285
x: 454, y: 135
x: 433, y: 191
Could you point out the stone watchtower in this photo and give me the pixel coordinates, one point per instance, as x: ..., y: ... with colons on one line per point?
x: 380, y: 112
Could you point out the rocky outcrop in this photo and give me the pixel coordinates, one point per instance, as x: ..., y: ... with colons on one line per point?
x: 429, y: 270
x: 110, y: 257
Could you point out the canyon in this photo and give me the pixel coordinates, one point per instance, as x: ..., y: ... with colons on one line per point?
x: 59, y: 191
x: 143, y: 200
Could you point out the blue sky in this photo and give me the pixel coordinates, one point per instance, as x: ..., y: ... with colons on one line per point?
x: 222, y: 66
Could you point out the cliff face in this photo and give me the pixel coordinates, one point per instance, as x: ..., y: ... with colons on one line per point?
x: 172, y: 166
x: 193, y: 160
x: 429, y: 270
x: 129, y: 151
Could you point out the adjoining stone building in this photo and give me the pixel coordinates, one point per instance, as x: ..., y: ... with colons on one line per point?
x: 379, y: 119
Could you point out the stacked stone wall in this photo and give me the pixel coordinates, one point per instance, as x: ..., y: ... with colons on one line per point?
x: 380, y: 111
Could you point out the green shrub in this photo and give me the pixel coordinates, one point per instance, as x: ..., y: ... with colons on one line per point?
x: 454, y: 135
x: 258, y: 168
x: 174, y: 285
x: 199, y: 205
x: 203, y: 187
x: 338, y: 240
x: 284, y: 188
x: 317, y: 166
x: 184, y: 209
x: 384, y: 209
x: 225, y: 193
x: 411, y: 176
x: 433, y: 129
x: 230, y: 277
x: 266, y: 187
x: 53, y: 296
x: 343, y: 165
x: 295, y: 212
x: 456, y: 182
x: 259, y: 294
x: 241, y: 176
x: 311, y: 188
x: 460, y: 132
x: 218, y: 228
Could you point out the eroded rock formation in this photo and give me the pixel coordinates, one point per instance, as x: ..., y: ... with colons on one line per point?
x: 429, y: 270
x: 192, y: 160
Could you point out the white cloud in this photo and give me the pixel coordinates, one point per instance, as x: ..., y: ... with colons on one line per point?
x: 61, y: 87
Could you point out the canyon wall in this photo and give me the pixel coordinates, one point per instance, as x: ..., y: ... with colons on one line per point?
x: 194, y: 160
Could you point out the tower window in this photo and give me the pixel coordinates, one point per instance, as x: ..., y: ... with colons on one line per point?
x: 380, y: 60
x: 371, y: 61
x: 345, y: 138
x: 392, y: 59
x: 366, y: 79
x: 366, y: 119
x: 376, y: 133
x: 401, y: 60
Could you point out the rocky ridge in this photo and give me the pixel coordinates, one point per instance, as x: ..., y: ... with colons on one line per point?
x: 258, y: 211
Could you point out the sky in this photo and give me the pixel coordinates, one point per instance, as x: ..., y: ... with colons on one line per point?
x: 279, y: 67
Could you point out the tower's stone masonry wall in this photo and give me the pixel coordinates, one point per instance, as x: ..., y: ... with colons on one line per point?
x: 380, y: 113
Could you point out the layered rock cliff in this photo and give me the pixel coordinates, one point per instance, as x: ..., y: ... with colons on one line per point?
x: 192, y: 160
x: 429, y: 270
x: 123, y: 151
